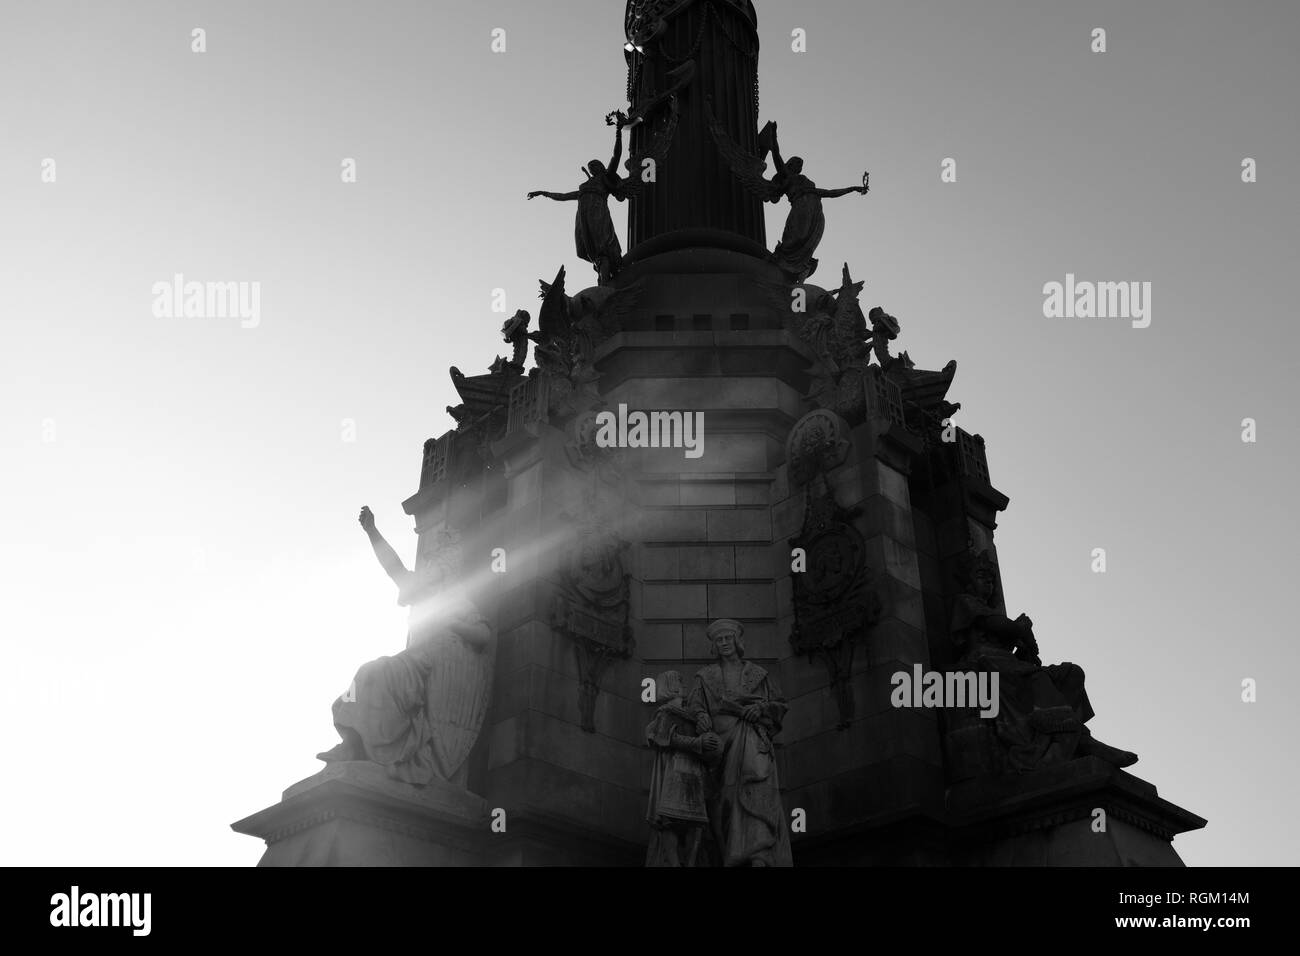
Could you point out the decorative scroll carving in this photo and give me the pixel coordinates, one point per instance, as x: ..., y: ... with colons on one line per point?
x: 595, y: 238
x: 817, y: 443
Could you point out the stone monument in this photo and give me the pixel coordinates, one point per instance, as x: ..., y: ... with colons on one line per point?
x: 718, y: 469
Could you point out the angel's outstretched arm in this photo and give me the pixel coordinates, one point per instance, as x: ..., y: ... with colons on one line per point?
x: 836, y: 193
x: 558, y: 197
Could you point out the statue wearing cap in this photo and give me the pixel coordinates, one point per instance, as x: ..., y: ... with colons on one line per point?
x: 739, y: 702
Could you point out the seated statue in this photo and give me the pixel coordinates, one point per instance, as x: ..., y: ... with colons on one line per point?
x: 1042, y: 711
x: 419, y: 712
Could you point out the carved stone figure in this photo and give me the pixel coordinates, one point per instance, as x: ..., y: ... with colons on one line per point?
x: 600, y: 311
x: 677, y: 812
x: 844, y: 340
x: 737, y: 700
x: 835, y: 599
x: 594, y: 235
x: 591, y: 602
x: 563, y: 350
x: 1042, y: 710
x: 806, y: 222
x: 515, y: 333
x: 585, y: 320
x: 837, y: 331
x: 646, y: 20
x: 570, y: 329
x: 419, y: 712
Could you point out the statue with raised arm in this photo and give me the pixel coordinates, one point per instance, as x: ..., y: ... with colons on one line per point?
x: 419, y: 712
x: 594, y: 233
x: 806, y: 222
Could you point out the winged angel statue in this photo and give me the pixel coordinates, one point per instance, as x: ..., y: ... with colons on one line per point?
x: 594, y: 234
x: 806, y: 222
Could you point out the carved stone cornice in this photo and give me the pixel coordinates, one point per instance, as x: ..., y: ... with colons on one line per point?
x: 360, y: 791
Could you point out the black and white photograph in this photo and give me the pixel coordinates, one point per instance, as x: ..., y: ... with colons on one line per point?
x: 702, y: 434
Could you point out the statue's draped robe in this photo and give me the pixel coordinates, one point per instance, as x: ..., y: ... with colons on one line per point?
x: 677, y: 777
x: 594, y: 234
x: 803, y: 229
x: 745, y: 811
x: 677, y: 784
x: 419, y: 712
x: 1034, y: 702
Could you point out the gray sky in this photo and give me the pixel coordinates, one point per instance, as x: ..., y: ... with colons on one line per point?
x: 186, y: 586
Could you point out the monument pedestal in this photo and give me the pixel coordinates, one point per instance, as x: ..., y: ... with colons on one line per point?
x: 352, y: 814
x: 1049, y: 818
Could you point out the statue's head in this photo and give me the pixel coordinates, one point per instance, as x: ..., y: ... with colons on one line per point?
x: 668, y: 686
x: 794, y: 164
x: 726, y: 639
x: 596, y: 169
x: 883, y: 323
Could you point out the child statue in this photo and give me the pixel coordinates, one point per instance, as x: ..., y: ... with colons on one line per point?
x: 677, y: 811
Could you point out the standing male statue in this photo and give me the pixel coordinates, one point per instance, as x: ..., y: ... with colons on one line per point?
x: 739, y: 702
